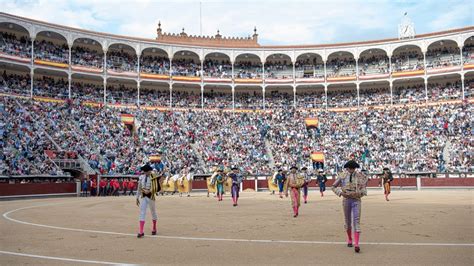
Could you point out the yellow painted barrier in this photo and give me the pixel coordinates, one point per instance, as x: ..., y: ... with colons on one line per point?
x: 185, y: 186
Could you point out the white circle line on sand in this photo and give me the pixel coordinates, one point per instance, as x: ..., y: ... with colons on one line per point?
x: 60, y: 258
x: 6, y: 216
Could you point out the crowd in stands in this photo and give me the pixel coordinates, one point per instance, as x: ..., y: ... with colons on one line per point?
x: 36, y: 180
x: 11, y: 45
x: 376, y: 64
x: 185, y: 67
x: 247, y: 70
x: 46, y: 50
x: 121, y: 94
x: 407, y: 61
x: 155, y: 65
x: 311, y: 99
x: 278, y: 70
x: 224, y: 138
x: 217, y: 69
x: 439, y: 137
x: 87, y: 92
x: 84, y: 56
x: 409, y: 138
x: 155, y: 97
x: 15, y: 84
x: 374, y: 96
x: 341, y: 67
x: 22, y: 142
x: 121, y: 61
x: 51, y: 87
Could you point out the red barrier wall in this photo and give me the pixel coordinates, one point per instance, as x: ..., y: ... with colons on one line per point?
x: 447, y: 182
x: 404, y: 182
x: 200, y: 184
x: 35, y: 189
x: 248, y: 184
x: 262, y: 184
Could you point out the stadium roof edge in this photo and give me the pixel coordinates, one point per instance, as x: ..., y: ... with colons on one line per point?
x: 370, y: 42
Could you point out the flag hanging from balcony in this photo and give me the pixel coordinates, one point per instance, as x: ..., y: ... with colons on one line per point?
x: 155, y: 158
x: 127, y: 119
x: 311, y: 122
x: 317, y: 156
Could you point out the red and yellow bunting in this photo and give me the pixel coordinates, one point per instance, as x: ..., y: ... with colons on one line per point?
x: 51, y: 64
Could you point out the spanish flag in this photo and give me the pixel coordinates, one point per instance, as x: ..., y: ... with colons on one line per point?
x: 311, y: 122
x: 127, y: 119
x: 155, y: 158
x: 317, y: 156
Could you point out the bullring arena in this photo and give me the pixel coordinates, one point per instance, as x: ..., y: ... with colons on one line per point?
x: 417, y: 227
x: 89, y: 120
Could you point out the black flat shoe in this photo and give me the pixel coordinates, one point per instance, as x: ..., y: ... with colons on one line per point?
x: 140, y: 235
x: 357, y: 249
x: 153, y: 233
x: 349, y: 245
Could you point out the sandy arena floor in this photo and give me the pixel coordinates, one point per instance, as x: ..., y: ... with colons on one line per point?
x: 426, y: 227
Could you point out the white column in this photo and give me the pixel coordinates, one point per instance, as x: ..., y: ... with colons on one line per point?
x: 357, y: 81
x: 69, y: 71
x: 105, y: 77
x: 326, y: 93
x: 390, y: 65
x: 426, y: 79
x: 325, y: 72
x: 357, y: 68
x: 294, y: 73
x: 426, y: 89
x: 69, y: 78
x: 294, y: 85
x: 391, y: 92
x: 171, y: 95
x: 202, y: 96
x: 138, y: 93
x: 462, y: 72
x: 105, y: 91
x: 233, y: 86
x: 202, y: 71
x: 233, y: 97
x: 232, y: 63
x: 263, y: 84
x: 138, y: 79
x: 171, y: 82
x: 32, y: 65
x: 32, y: 73
x: 171, y: 67
x: 294, y: 96
x: 358, y: 94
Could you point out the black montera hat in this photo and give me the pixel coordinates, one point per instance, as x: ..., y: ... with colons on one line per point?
x: 351, y: 164
x: 146, y: 168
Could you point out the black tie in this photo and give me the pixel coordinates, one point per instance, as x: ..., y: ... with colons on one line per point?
x: 350, y: 178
